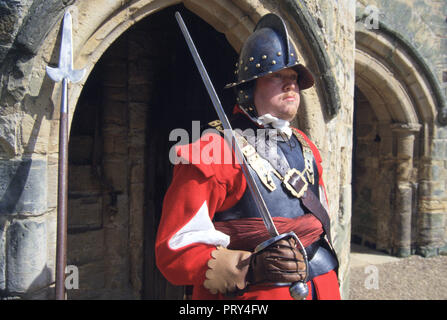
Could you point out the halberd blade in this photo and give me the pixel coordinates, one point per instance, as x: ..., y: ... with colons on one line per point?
x: 65, y: 68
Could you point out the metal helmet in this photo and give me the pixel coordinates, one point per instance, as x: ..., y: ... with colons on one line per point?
x: 268, y: 49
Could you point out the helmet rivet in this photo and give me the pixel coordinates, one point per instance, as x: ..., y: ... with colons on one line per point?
x: 292, y: 54
x: 241, y: 92
x: 258, y: 65
x: 279, y: 53
x: 273, y: 62
x: 264, y: 57
x: 251, y: 59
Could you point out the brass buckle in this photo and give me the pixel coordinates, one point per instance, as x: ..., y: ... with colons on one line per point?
x: 217, y: 124
x: 289, y: 187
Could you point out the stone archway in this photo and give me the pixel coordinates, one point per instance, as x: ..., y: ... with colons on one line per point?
x: 394, y: 117
x: 144, y: 86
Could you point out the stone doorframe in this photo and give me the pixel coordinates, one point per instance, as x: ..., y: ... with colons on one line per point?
x: 401, y: 95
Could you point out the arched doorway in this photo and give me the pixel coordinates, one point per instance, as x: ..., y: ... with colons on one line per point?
x: 145, y: 85
x: 393, y: 119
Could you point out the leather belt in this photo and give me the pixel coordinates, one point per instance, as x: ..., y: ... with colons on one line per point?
x: 322, y: 262
x: 313, y: 248
x: 310, y: 200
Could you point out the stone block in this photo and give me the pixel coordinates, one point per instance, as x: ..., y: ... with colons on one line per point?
x: 115, y: 75
x: 439, y: 150
x: 136, y: 198
x: 432, y: 206
x: 441, y: 133
x: 116, y: 174
x: 37, y: 24
x: 115, y: 112
x: 85, y: 212
x: 137, y: 116
x: 12, y: 14
x: 139, y: 71
x: 3, y: 226
x: 34, y: 134
x: 120, y: 145
x: 26, y: 256
x: 137, y: 173
x: 136, y: 141
x: 427, y: 252
x: 432, y: 220
x: 8, y: 133
x: 91, y: 281
x: 81, y: 180
x: 115, y: 93
x: 23, y: 186
x: 140, y: 92
x: 52, y: 171
x: 81, y: 149
x: 85, y: 247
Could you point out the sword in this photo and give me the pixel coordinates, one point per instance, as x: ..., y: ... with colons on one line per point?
x: 64, y: 72
x: 298, y: 290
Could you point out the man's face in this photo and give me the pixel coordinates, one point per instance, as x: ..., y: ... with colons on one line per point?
x: 278, y: 94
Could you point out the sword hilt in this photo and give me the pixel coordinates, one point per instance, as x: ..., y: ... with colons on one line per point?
x: 298, y: 290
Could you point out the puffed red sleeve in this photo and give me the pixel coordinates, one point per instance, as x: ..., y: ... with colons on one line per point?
x: 186, y: 235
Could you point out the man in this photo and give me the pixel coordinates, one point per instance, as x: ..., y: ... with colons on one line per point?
x: 210, y: 226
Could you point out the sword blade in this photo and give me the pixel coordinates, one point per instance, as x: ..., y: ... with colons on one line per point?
x: 251, y: 183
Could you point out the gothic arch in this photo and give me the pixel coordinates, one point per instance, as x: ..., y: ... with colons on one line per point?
x: 403, y: 85
x: 95, y: 30
x: 398, y: 91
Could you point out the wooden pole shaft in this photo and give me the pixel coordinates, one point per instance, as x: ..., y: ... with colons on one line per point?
x: 61, y: 247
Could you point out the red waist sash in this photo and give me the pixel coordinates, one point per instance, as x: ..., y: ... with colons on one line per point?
x: 246, y: 234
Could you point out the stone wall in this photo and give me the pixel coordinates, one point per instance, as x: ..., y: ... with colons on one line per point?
x: 418, y: 27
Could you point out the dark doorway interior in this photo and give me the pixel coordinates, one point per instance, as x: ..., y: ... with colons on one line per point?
x: 179, y: 98
x: 145, y: 85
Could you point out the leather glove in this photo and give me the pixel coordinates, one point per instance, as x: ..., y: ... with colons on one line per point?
x: 230, y: 271
x: 279, y: 262
x: 227, y: 271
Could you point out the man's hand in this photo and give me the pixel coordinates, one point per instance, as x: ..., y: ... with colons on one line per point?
x: 232, y: 270
x: 227, y: 271
x: 279, y: 262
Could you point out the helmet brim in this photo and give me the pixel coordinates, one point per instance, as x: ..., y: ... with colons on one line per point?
x: 305, y: 77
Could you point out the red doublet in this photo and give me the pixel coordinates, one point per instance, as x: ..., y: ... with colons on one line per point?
x: 186, y: 234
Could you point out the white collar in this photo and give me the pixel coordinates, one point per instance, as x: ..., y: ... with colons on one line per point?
x: 283, y: 126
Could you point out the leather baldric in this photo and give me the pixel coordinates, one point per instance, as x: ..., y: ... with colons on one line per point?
x: 294, y: 180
